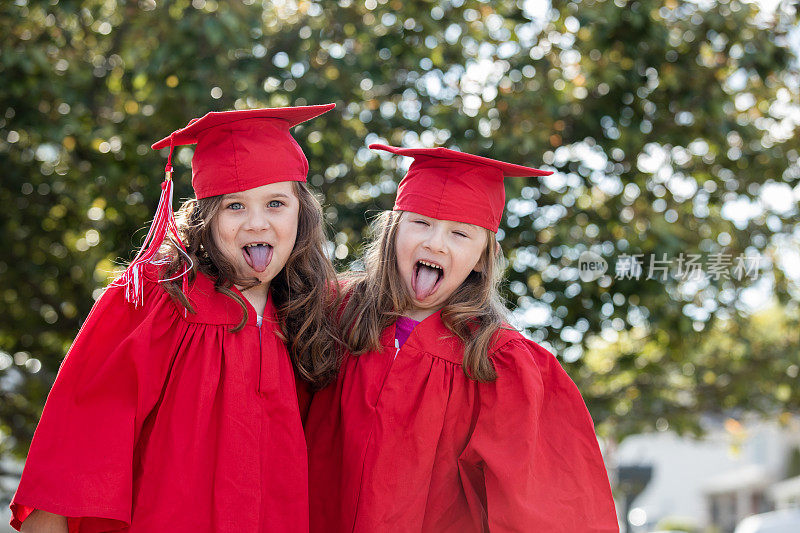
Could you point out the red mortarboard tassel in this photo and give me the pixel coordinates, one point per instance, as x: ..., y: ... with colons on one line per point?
x: 163, y: 226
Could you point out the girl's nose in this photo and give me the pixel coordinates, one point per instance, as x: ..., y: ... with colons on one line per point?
x: 257, y: 221
x: 435, y: 241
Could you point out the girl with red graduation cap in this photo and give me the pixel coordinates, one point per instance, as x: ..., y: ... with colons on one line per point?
x: 176, y: 408
x: 443, y: 418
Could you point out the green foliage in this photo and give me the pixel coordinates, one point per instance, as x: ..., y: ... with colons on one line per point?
x: 594, y: 89
x: 741, y: 364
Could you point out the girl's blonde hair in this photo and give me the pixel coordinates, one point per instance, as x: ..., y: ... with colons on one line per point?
x: 304, y: 291
x: 375, y: 296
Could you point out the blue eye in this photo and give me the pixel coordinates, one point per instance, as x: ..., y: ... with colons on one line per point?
x: 235, y: 206
x: 275, y: 203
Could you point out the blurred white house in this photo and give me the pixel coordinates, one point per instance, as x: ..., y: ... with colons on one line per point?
x: 738, y: 469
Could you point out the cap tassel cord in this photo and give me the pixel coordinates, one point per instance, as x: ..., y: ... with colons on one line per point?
x: 162, y: 227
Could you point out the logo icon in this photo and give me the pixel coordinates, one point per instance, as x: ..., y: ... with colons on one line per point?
x: 591, y: 266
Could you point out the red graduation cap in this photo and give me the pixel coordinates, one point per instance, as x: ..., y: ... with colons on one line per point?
x: 450, y: 185
x: 240, y: 150
x: 236, y: 151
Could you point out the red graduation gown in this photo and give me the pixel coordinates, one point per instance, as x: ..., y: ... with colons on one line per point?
x: 161, y: 421
x: 411, y: 444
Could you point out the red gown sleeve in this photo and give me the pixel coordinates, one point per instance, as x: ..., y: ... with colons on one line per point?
x: 81, y: 460
x: 533, y: 458
x: 304, y: 396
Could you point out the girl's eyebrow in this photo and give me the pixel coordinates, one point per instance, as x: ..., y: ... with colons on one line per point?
x: 236, y: 195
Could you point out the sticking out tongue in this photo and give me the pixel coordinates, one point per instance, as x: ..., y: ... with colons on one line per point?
x: 258, y: 257
x: 427, y: 278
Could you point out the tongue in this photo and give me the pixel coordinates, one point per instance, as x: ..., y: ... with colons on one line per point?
x: 260, y: 257
x: 426, y: 280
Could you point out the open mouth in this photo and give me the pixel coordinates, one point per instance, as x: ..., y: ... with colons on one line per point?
x: 258, y: 255
x: 426, y: 278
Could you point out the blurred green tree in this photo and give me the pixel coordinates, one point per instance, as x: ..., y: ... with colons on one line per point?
x: 670, y: 125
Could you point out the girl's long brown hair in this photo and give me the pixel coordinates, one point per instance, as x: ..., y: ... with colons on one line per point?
x: 376, y: 296
x: 304, y: 291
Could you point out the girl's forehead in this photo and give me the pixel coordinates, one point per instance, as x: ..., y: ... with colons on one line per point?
x: 474, y: 227
x: 280, y: 188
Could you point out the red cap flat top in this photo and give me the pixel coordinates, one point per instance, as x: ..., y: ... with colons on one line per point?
x: 450, y: 185
x: 240, y: 150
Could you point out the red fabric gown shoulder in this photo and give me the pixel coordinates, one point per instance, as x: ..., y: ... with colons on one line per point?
x: 160, y: 420
x: 541, y: 443
x: 407, y: 442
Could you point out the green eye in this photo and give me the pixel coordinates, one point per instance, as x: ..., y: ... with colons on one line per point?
x: 275, y: 203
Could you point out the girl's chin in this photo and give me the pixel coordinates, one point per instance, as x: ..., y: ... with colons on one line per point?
x: 264, y: 278
x: 427, y: 306
x: 249, y: 274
